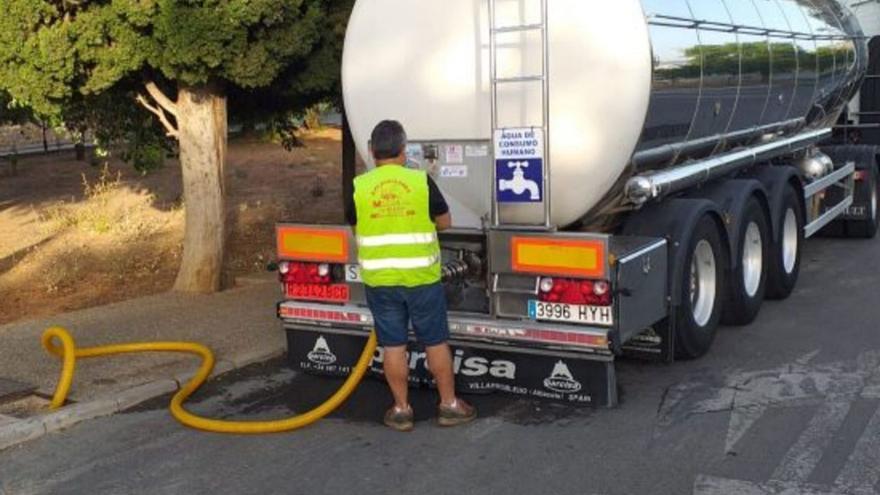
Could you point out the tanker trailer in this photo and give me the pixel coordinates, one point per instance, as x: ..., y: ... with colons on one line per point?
x: 621, y: 180
x: 860, y: 122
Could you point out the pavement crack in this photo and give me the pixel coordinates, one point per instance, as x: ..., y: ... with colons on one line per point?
x: 663, y: 400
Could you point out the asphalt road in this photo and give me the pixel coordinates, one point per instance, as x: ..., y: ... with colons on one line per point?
x: 789, y: 404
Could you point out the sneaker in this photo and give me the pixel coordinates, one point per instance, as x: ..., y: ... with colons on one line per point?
x: 399, y: 419
x: 458, y: 413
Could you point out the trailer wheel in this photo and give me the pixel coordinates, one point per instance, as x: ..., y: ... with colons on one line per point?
x: 747, y: 282
x: 867, y: 229
x: 785, y: 255
x: 697, y: 317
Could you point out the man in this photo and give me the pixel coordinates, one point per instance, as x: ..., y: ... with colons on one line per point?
x: 396, y: 214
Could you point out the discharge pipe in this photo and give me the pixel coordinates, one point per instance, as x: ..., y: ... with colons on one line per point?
x: 58, y: 342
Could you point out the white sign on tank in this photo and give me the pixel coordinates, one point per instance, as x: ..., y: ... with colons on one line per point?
x: 519, y: 165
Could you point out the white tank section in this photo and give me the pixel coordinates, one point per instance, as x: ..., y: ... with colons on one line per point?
x: 634, y: 86
x: 426, y: 64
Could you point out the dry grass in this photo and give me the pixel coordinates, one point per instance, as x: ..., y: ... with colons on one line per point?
x: 72, y: 236
x: 108, y: 208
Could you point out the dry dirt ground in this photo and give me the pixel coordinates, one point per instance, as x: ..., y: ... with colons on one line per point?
x: 74, y: 236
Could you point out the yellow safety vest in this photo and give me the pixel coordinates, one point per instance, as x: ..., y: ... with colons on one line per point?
x: 397, y: 240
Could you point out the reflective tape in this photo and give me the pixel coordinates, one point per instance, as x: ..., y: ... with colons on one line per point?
x: 396, y: 239
x: 400, y: 263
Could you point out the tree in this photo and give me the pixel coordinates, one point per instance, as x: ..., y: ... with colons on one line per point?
x: 13, y: 113
x: 185, y: 56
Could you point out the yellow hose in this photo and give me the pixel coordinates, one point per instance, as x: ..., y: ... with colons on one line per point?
x: 69, y: 353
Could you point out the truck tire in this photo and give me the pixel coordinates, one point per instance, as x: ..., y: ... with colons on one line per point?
x: 747, y: 282
x: 867, y: 229
x: 785, y: 253
x: 698, y: 315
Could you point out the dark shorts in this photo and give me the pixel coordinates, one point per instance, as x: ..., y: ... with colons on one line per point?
x: 394, y: 308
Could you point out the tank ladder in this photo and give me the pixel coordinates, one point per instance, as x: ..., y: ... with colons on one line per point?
x: 496, y: 82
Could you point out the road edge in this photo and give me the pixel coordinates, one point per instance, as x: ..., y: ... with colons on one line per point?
x: 20, y: 431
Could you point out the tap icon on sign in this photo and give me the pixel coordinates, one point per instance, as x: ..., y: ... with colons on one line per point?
x: 519, y: 184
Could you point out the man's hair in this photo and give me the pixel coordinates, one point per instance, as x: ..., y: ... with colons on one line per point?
x: 388, y: 140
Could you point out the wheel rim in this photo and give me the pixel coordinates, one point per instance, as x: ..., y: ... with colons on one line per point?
x: 752, y: 259
x: 874, y: 204
x: 789, y: 241
x: 703, y: 282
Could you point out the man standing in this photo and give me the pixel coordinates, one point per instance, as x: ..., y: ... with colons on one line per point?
x: 396, y: 214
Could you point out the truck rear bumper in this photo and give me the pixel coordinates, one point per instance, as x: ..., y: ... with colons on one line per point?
x: 530, y: 359
x: 594, y: 341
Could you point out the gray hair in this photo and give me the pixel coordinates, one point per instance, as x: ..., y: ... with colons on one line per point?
x: 388, y: 140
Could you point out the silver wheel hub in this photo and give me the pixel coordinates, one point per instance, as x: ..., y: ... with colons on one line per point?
x: 789, y: 241
x: 703, y: 282
x: 752, y: 259
x: 874, y: 204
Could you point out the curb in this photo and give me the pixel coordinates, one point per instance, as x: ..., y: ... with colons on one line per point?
x: 19, y: 431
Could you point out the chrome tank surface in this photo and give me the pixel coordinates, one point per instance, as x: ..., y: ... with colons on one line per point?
x: 730, y: 72
x: 634, y: 85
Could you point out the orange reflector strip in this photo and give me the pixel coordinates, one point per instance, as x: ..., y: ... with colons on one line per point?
x: 298, y: 243
x: 558, y: 257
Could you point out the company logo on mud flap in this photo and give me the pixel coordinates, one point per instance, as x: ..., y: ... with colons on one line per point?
x: 473, y: 366
x: 321, y: 353
x: 561, y: 380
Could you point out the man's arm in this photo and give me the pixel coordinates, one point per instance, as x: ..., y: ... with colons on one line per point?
x: 350, y: 211
x: 438, y: 208
x: 443, y: 222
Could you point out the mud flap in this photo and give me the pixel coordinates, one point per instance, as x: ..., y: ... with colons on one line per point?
x: 653, y: 344
x: 545, y: 375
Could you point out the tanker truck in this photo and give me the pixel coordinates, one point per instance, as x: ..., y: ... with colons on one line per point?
x: 623, y: 177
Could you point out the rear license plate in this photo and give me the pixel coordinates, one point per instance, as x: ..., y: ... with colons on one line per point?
x: 318, y: 292
x: 571, y: 313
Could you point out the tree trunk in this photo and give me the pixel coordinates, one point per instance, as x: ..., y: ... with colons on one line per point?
x: 201, y: 122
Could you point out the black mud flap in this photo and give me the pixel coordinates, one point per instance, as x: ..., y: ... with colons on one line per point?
x: 558, y: 377
x: 653, y: 344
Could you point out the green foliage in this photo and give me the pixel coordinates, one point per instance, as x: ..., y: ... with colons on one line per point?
x: 145, y: 156
x: 755, y: 57
x: 57, y: 54
x: 305, y: 82
x: 117, y: 123
x: 312, y: 115
x: 13, y: 112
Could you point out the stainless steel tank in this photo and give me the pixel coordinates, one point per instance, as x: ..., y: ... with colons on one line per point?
x: 634, y: 85
x: 728, y: 71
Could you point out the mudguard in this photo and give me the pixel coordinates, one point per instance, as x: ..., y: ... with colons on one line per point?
x: 674, y: 220
x: 775, y: 179
x: 730, y: 197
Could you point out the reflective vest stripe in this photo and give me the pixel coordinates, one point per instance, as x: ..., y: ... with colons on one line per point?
x: 400, y: 263
x: 396, y: 239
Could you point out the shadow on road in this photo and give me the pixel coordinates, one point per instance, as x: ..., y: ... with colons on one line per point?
x: 273, y: 390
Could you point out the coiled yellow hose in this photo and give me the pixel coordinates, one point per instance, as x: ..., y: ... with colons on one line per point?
x: 69, y: 353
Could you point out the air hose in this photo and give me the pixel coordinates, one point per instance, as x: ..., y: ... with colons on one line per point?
x: 69, y: 353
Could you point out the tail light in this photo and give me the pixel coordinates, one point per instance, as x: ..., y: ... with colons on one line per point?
x: 305, y: 273
x: 314, y: 281
x: 575, y: 291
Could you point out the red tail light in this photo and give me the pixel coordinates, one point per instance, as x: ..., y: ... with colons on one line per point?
x: 313, y: 282
x: 575, y: 291
x: 304, y: 273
